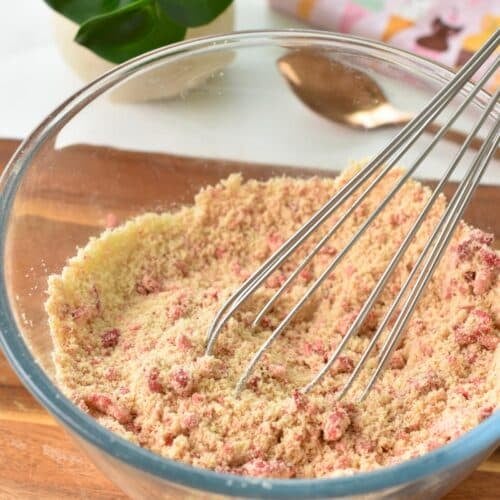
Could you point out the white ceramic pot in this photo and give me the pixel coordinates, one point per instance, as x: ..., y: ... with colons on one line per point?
x: 152, y: 85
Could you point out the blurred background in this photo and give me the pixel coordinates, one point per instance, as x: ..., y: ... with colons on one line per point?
x: 35, y: 77
x: 43, y: 65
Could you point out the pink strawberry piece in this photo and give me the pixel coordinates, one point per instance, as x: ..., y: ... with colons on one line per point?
x: 190, y: 421
x: 335, y: 425
x: 110, y: 337
x: 154, y: 383
x: 397, y: 360
x: 267, y: 468
x: 181, y: 381
x: 344, y: 364
x: 299, y: 399
x: 274, y: 241
x: 219, y: 252
x: 104, y: 404
x: 183, y: 343
x: 277, y: 371
x: 148, y: 285
x: 478, y: 327
x: 486, y: 411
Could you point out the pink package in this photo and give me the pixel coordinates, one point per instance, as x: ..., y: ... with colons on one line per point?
x: 448, y: 31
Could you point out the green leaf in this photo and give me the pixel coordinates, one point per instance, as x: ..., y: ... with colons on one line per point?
x: 193, y: 12
x: 82, y: 10
x: 129, y: 31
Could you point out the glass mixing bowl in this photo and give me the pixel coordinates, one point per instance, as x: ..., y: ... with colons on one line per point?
x: 101, y: 158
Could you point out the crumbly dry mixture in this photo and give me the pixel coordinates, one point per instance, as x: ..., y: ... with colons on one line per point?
x: 129, y: 315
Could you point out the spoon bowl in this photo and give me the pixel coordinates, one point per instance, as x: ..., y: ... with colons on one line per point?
x: 348, y: 96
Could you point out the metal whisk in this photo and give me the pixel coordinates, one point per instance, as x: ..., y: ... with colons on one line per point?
x: 427, y: 261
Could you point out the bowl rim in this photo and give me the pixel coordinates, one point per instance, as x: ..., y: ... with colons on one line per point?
x: 480, y: 440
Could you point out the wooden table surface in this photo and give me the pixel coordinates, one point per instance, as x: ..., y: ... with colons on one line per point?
x: 39, y: 461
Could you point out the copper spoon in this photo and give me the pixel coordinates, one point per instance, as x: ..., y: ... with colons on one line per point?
x: 346, y: 95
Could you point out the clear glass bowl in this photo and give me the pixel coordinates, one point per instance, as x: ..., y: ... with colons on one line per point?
x: 100, y: 158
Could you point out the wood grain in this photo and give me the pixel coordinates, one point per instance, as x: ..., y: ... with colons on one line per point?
x: 37, y: 459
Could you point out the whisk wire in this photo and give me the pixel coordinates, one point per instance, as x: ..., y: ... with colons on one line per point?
x: 454, y: 215
x: 324, y: 275
x: 426, y: 261
x: 390, y: 268
x: 416, y: 126
x: 360, y: 199
x: 354, y: 328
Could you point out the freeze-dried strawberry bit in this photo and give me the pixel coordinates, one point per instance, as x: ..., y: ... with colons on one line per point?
x: 104, y: 404
x: 426, y: 349
x: 350, y: 270
x: 197, y: 398
x: 277, y: 371
x: 345, y: 322
x: 481, y: 237
x: 366, y: 446
x: 110, y: 337
x: 430, y: 381
x: 267, y: 468
x: 486, y: 411
x: 183, y: 343
x: 181, y: 382
x: 490, y: 258
x: 318, y: 346
x: 434, y: 444
x: 306, y: 275
x: 86, y: 312
x: 478, y: 327
x: 266, y: 322
x: 477, y: 240
x: 134, y: 429
x: 189, y: 421
x: 219, y: 252
x: 418, y: 195
x: 328, y: 250
x: 300, y: 399
x: 274, y: 241
x: 112, y: 374
x: 239, y: 271
x: 344, y: 364
x: 483, y: 281
x: 79, y: 312
x: 398, y: 219
x: 398, y: 360
x: 448, y: 288
x: 463, y: 250
x: 154, y: 383
x: 176, y: 312
x: 335, y: 425
x: 489, y: 341
x: 253, y: 382
x: 276, y: 280
x: 306, y: 349
x: 148, y: 285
